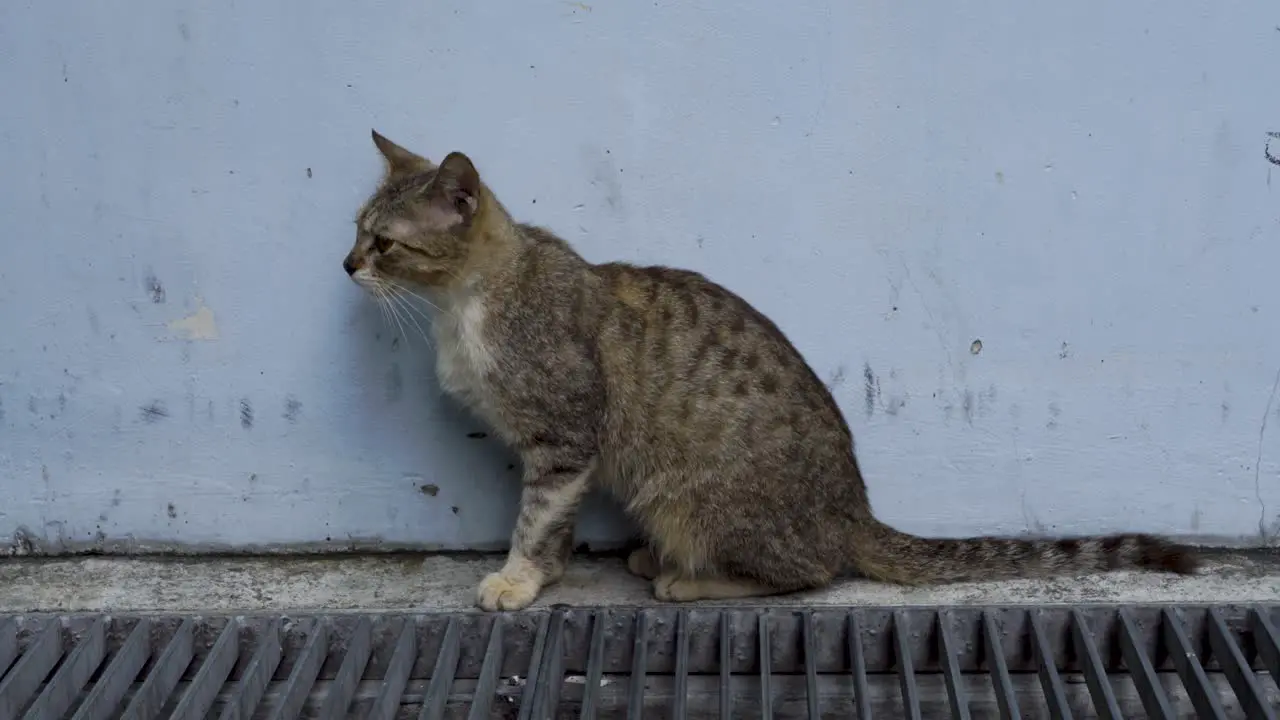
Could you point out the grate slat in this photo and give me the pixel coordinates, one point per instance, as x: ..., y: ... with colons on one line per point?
x: 1006, y: 700
x: 354, y: 661
x: 1055, y: 693
x: 764, y: 645
x: 164, y: 676
x: 726, y: 667
x: 680, y: 707
x: 445, y: 669
x: 811, y: 665
x: 858, y: 667
x: 1187, y: 663
x: 61, y: 691
x: 906, y: 669
x: 546, y: 695
x: 487, y: 685
x: 387, y: 701
x: 1267, y: 641
x: 253, y: 681
x: 304, y: 673
x: 1095, y: 673
x: 535, y: 667
x: 213, y: 672
x: 595, y: 666
x: 21, y: 683
x: 1231, y: 659
x: 1141, y: 670
x: 8, y: 644
x: 639, y: 666
x: 106, y: 694
x: 951, y: 669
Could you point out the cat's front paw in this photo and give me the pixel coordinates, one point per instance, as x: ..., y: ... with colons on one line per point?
x: 507, y: 591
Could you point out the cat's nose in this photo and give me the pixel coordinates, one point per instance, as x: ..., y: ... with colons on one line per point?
x: 349, y: 266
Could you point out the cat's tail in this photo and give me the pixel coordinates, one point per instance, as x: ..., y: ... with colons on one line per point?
x: 883, y: 553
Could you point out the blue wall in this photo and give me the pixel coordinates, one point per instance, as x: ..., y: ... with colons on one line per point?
x: 1081, y: 187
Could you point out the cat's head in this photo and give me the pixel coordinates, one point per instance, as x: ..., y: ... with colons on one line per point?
x: 419, y: 227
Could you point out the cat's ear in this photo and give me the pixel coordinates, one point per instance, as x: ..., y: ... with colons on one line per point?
x: 400, y: 162
x: 457, y: 187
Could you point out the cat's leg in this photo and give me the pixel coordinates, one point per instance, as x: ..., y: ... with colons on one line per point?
x: 644, y: 562
x: 543, y: 538
x: 672, y: 586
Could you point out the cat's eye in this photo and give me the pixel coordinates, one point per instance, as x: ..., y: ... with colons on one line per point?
x: 382, y: 243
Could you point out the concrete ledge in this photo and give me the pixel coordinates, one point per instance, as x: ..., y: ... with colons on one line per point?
x: 447, y: 582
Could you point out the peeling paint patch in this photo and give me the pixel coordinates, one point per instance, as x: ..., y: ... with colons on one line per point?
x: 429, y: 489
x: 200, y: 325
x: 246, y: 414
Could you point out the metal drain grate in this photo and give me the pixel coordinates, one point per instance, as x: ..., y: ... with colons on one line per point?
x: 1057, y: 662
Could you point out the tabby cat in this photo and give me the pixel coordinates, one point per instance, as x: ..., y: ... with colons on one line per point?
x: 670, y: 392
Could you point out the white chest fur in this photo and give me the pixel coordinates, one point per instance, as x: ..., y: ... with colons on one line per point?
x: 463, y: 359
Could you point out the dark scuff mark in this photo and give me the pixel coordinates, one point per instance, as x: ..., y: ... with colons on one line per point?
x: 869, y: 389
x: 308, y: 173
x: 44, y: 474
x: 1055, y: 412
x: 1064, y: 352
x: 1, y: 408
x: 395, y: 343
x: 23, y: 543
x: 454, y: 509
x: 115, y: 498
x: 62, y: 402
x: 153, y: 412
x: 292, y: 408
x: 32, y: 405
x: 155, y: 290
x: 208, y: 409
x: 394, y: 383
x: 172, y: 511
x: 1266, y: 149
x: 246, y: 414
x: 967, y: 406
x: 511, y: 466
x: 429, y: 489
x: 477, y: 435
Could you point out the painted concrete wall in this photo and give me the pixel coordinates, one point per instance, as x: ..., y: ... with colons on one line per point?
x: 1035, y: 249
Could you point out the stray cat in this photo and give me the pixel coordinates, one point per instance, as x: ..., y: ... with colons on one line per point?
x: 669, y: 391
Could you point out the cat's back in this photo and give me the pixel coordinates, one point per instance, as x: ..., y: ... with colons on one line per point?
x: 697, y: 366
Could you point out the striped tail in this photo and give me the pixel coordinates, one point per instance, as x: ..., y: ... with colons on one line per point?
x: 885, y: 554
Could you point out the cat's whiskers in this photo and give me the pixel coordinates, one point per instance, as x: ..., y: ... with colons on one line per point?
x: 407, y: 291
x: 384, y: 297
x: 405, y: 304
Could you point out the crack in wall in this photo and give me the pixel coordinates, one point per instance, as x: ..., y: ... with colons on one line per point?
x: 1257, y: 463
